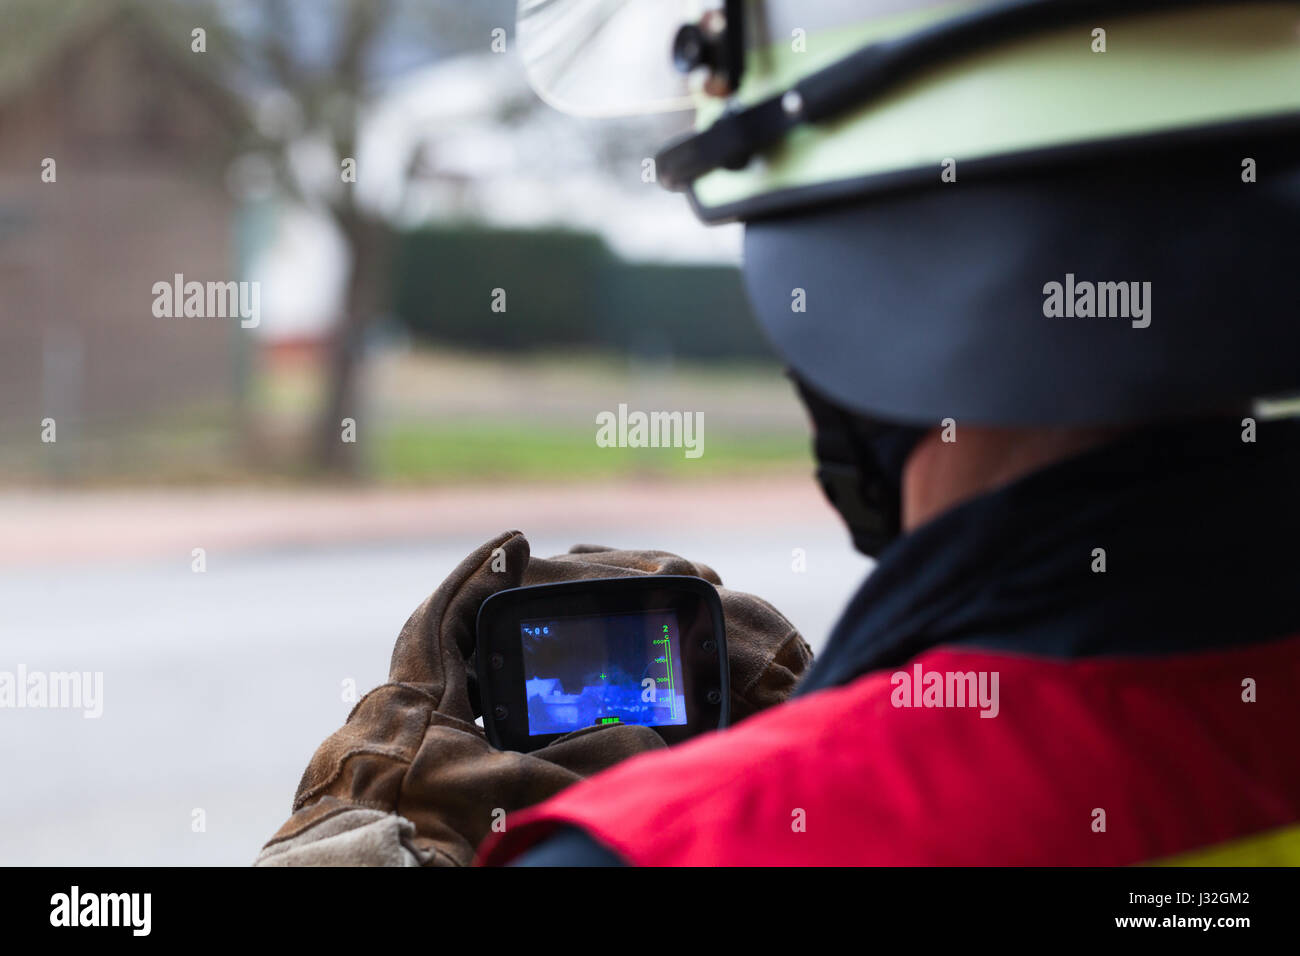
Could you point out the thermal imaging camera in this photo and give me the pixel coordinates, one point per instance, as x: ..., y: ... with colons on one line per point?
x: 648, y: 650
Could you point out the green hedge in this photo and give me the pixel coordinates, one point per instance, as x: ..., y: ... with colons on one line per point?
x: 566, y: 289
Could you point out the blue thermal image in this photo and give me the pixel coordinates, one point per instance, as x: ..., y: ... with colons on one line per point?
x: 603, y: 669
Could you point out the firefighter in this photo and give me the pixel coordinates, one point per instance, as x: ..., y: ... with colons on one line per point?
x: 1031, y: 267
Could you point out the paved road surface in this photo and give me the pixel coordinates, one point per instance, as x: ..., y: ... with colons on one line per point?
x: 218, y: 686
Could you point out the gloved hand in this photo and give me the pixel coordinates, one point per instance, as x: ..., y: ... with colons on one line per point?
x: 410, y: 779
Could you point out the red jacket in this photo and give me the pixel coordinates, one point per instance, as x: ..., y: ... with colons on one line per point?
x: 1095, y: 761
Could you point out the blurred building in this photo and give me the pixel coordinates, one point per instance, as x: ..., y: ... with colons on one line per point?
x: 140, y: 136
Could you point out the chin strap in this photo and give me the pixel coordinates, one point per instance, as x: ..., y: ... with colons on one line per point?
x: 860, y: 468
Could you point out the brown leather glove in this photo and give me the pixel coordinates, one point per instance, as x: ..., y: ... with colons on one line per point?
x: 411, y: 779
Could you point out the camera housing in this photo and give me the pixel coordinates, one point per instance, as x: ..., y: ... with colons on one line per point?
x: 556, y: 658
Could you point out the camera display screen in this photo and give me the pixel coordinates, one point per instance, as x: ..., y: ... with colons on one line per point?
x: 647, y: 650
x: 603, y: 669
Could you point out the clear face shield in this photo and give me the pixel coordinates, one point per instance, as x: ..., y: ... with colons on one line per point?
x: 615, y: 58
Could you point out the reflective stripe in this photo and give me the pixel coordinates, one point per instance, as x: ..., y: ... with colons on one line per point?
x: 773, y: 21
x: 1160, y: 72
x: 1274, y: 848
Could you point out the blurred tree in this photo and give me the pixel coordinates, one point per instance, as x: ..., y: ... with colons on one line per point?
x: 314, y: 67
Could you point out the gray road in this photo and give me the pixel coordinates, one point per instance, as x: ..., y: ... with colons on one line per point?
x: 218, y: 686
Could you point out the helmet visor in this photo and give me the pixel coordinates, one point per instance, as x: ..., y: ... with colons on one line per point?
x: 604, y: 58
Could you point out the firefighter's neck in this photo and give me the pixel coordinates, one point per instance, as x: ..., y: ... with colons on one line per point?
x: 942, y: 474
